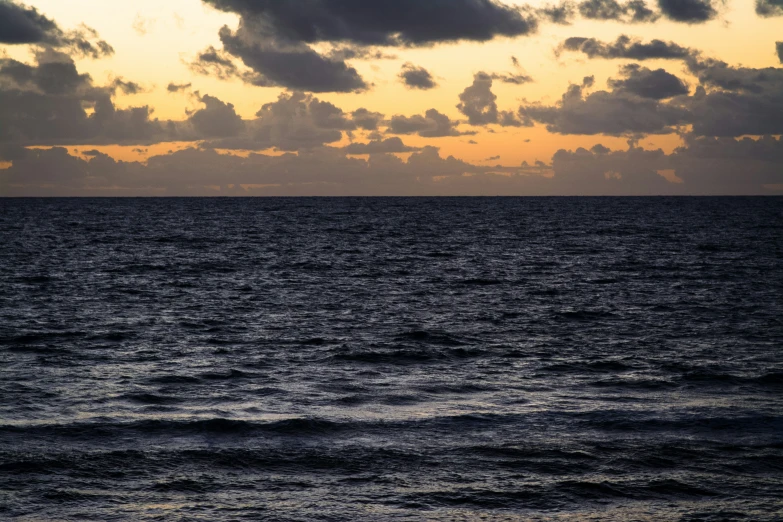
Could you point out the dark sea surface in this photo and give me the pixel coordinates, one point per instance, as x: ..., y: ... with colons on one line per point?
x: 391, y: 359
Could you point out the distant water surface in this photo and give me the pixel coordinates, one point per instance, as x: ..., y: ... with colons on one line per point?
x: 391, y: 359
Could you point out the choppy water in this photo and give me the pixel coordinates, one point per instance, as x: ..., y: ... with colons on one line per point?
x: 391, y: 359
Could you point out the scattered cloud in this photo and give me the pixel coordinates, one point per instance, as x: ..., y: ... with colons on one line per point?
x: 20, y: 24
x: 700, y: 166
x: 51, y: 102
x: 769, y: 8
x: 387, y: 146
x: 618, y: 112
x: 688, y: 11
x: 178, y: 87
x: 479, y: 104
x: 381, y: 22
x: 655, y: 84
x: 626, y: 47
x: 633, y: 11
x: 432, y: 125
x: 415, y: 77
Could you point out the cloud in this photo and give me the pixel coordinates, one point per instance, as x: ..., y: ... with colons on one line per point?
x: 51, y: 102
x: 779, y: 49
x: 769, y: 8
x: 514, y: 79
x: 178, y: 87
x: 731, y: 114
x: 719, y: 74
x: 633, y: 11
x: 618, y: 112
x: 714, y: 166
x: 688, y: 11
x: 479, y: 104
x: 274, y: 38
x: 729, y: 102
x: 127, y: 87
x: 295, y: 122
x: 700, y: 166
x: 366, y: 119
x: 211, y: 62
x: 735, y: 101
x: 354, y: 52
x: 558, y: 14
x: 432, y: 125
x: 415, y: 77
x: 655, y: 84
x: 216, y: 119
x: 20, y: 24
x: 387, y: 146
x: 626, y: 47
x: 292, y: 66
x: 382, y: 22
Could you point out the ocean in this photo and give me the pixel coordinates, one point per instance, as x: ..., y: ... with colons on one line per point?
x: 507, y: 359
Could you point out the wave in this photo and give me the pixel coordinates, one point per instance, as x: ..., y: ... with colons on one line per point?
x: 406, y: 356
x: 427, y: 337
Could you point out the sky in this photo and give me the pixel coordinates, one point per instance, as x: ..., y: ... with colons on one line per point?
x: 390, y: 97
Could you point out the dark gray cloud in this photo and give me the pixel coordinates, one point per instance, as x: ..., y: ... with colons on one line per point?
x: 355, y: 52
x: 387, y: 146
x: 20, y: 24
x: 647, y: 83
x: 216, y: 119
x: 432, y: 125
x: 274, y: 36
x: 54, y: 74
x: 382, y: 22
x: 626, y: 47
x: 294, y: 122
x: 729, y: 102
x: 479, y: 104
x: 719, y: 74
x: 295, y: 67
x: 561, y: 14
x: 710, y: 166
x: 211, y: 62
x: 731, y: 114
x: 51, y: 102
x: 700, y: 166
x: 688, y: 11
x: 769, y: 8
x: 127, y: 87
x: 178, y: 87
x: 618, y: 112
x: 779, y: 49
x: 366, y: 119
x: 732, y: 101
x: 512, y: 78
x: 633, y: 11
x: 416, y: 77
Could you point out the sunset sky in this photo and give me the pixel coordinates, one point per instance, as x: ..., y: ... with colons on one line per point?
x: 390, y: 97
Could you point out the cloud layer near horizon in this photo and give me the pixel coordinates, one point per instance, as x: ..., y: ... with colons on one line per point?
x: 301, y: 143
